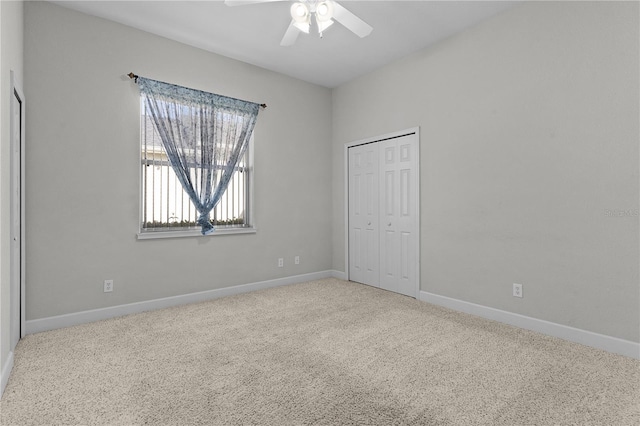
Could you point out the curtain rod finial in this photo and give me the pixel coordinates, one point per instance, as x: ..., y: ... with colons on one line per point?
x: 133, y: 76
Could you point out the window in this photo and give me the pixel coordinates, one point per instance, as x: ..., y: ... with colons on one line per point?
x: 165, y: 206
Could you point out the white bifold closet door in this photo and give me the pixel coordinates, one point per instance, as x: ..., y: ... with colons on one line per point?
x: 384, y: 214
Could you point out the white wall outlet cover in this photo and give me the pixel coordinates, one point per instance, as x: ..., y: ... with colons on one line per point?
x: 517, y: 290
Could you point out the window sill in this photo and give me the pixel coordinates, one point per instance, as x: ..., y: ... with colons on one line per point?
x: 153, y: 235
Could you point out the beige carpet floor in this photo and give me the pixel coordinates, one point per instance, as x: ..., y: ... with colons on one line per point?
x: 327, y: 352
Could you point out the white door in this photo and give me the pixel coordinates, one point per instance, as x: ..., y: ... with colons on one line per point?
x: 383, y: 212
x: 363, y: 214
x: 399, y: 214
x: 16, y: 289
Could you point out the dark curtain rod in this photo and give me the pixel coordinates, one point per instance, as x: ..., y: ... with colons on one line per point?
x: 135, y: 78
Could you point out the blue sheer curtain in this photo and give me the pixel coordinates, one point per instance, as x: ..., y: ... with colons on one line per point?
x: 204, y: 136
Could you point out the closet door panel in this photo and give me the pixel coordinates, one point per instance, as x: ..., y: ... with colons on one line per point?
x: 408, y: 220
x: 388, y: 208
x: 399, y: 220
x: 363, y: 214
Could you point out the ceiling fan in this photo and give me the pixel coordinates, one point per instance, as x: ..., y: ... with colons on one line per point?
x: 325, y: 11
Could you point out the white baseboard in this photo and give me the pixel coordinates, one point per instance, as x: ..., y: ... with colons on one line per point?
x: 600, y: 341
x: 5, y: 373
x: 77, y: 318
x: 588, y: 338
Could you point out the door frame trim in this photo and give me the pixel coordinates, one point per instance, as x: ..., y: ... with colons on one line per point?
x: 380, y: 138
x: 16, y: 91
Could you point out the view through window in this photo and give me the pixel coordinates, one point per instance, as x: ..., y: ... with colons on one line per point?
x: 167, y: 207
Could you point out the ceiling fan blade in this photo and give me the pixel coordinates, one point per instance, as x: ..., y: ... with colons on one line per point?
x: 291, y: 35
x: 245, y: 2
x: 351, y: 21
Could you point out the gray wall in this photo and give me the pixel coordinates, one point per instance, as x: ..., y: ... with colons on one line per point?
x: 11, y: 53
x: 83, y: 169
x: 529, y: 142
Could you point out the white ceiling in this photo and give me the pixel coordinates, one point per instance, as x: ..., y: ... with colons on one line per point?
x: 252, y: 33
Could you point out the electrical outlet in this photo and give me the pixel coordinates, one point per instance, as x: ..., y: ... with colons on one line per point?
x: 108, y: 286
x: 517, y: 290
x: 280, y: 262
x: 296, y: 260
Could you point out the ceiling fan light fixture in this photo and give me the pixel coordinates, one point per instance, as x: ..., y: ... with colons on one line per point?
x: 324, y: 11
x: 300, y: 12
